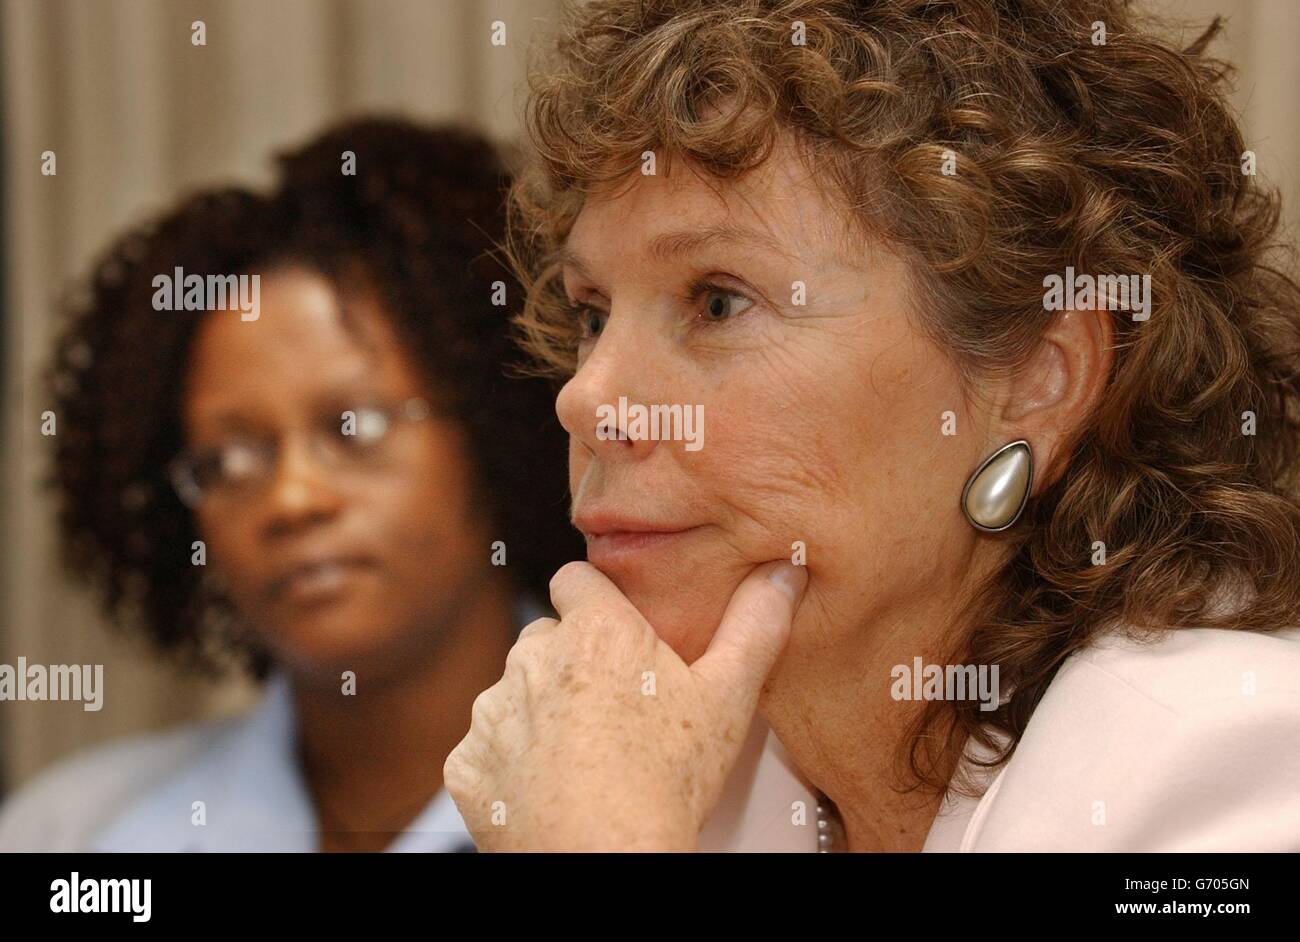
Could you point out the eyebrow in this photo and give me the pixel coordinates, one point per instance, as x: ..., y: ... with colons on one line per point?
x: 669, y: 245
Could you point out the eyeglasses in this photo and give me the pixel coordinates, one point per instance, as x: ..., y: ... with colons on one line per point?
x: 358, y: 439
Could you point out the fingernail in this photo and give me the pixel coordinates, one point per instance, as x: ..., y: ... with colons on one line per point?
x: 789, y: 578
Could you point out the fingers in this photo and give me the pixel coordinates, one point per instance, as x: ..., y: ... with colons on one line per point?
x: 581, y: 584
x: 536, y: 627
x: 754, y: 630
x: 462, y: 777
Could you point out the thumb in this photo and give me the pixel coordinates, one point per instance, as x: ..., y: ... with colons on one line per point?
x: 753, y: 633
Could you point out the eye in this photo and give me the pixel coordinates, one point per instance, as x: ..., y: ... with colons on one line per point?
x: 590, y: 322
x: 371, y: 426
x: 240, y: 460
x: 720, y: 304
x: 233, y: 461
x: 359, y: 428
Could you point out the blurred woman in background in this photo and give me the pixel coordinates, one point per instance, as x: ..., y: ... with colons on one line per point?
x: 326, y: 489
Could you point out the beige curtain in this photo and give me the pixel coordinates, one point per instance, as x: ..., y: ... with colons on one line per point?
x: 1260, y: 40
x: 136, y: 114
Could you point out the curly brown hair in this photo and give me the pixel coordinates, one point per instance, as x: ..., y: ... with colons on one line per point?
x: 1114, y: 157
x: 419, y: 221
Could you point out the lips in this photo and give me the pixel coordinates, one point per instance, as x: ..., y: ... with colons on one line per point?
x: 614, y: 540
x: 316, y: 579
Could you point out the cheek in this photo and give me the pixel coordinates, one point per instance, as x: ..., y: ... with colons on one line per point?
x: 771, y: 476
x: 787, y: 450
x: 764, y: 480
x: 427, y: 523
x: 231, y: 547
x: 839, y: 454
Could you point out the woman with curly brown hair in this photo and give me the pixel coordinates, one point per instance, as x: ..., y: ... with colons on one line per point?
x: 1000, y: 572
x: 325, y: 484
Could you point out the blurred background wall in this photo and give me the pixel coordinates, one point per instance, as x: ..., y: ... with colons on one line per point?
x: 137, y: 114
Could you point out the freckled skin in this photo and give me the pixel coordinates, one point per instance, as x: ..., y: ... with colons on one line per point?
x: 821, y: 420
x: 564, y: 752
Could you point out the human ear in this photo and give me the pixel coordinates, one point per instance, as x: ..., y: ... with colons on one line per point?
x: 1053, y: 393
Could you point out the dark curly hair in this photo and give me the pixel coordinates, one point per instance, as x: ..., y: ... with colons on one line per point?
x: 418, y: 223
x: 1114, y: 157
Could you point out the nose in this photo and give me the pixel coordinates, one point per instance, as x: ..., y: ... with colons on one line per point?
x: 588, y: 404
x: 300, y: 492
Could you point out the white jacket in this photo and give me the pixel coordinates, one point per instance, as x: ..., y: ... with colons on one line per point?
x: 1188, y: 743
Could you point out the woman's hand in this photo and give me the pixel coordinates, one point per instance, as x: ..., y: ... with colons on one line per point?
x: 599, y: 737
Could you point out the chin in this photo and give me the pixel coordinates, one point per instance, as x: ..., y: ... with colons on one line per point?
x: 684, y: 619
x: 326, y: 643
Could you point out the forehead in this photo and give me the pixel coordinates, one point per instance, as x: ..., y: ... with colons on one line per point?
x: 778, y: 209
x: 304, y: 343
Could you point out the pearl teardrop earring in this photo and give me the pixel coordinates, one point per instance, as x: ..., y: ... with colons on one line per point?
x: 996, y: 493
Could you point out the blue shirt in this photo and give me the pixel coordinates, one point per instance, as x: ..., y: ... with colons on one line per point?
x: 254, y: 797
x: 228, y: 785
